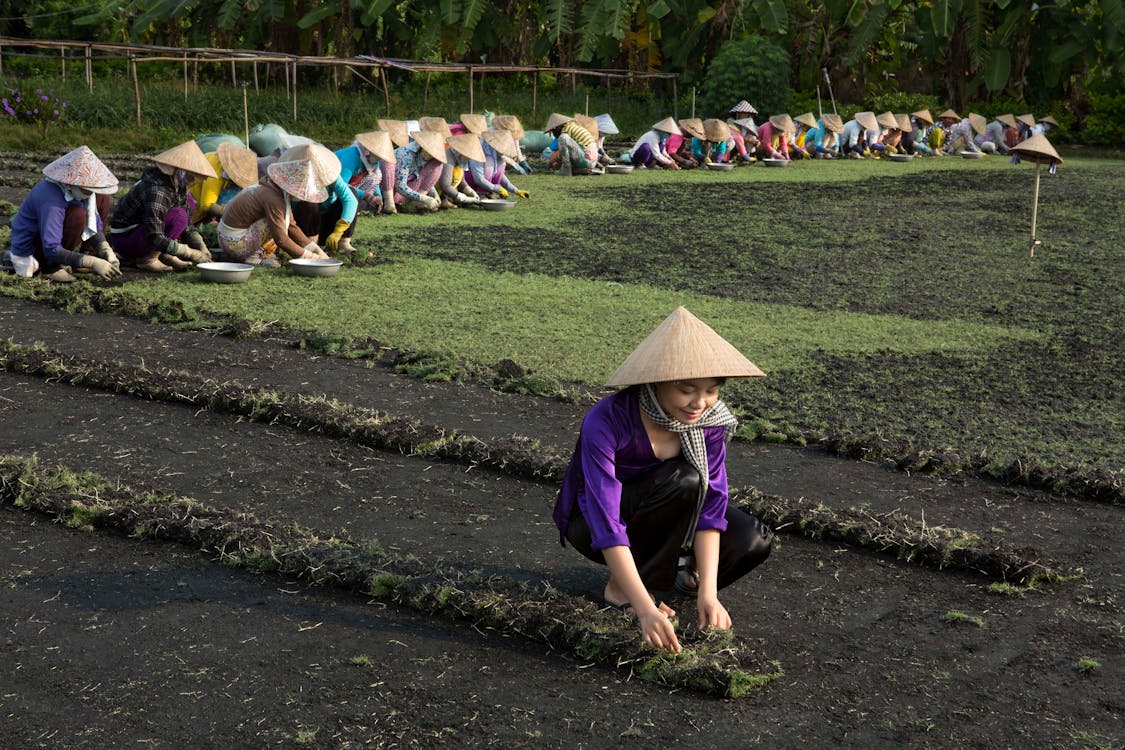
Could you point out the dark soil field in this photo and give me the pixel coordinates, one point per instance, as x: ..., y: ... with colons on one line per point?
x: 146, y: 639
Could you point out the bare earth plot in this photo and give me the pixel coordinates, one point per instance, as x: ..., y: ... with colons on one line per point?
x: 115, y: 641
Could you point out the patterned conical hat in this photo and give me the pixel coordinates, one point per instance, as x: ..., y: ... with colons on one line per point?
x: 924, y: 116
x: 188, y: 157
x: 747, y: 123
x: 904, y: 123
x: 435, y: 125
x: 589, y: 123
x: 668, y: 125
x: 692, y: 126
x: 475, y: 123
x: 1038, y: 148
x: 978, y: 123
x: 83, y: 169
x: 1007, y: 121
x: 511, y: 123
x: 743, y: 108
x: 467, y: 145
x: 556, y: 120
x: 784, y: 123
x: 396, y: 129
x: 325, y: 163
x: 502, y: 141
x: 807, y: 119
x: 300, y: 179
x: 832, y: 122
x: 606, y: 124
x: 949, y: 114
x: 715, y: 130
x: 1050, y: 121
x: 683, y: 347
x: 240, y: 164
x: 432, y: 143
x: 378, y: 143
x: 867, y: 120
x: 887, y: 120
x: 1027, y: 120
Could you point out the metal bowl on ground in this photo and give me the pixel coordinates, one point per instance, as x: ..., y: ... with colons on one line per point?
x: 717, y: 167
x: 971, y: 154
x: 225, y: 273
x: 496, y: 204
x: 619, y: 168
x: 776, y: 162
x: 315, y: 266
x: 901, y: 157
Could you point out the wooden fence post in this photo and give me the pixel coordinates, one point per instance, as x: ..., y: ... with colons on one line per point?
x: 294, y: 90
x: 90, y: 68
x: 387, y: 91
x: 62, y: 58
x: 470, y: 88
x: 425, y: 91
x: 185, y: 78
x: 136, y: 86
x: 255, y: 76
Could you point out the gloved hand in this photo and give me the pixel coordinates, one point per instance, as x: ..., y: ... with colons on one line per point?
x: 195, y: 241
x: 526, y: 167
x: 467, y: 200
x: 520, y: 168
x: 101, y: 267
x: 430, y: 203
x: 180, y: 250
x: 374, y: 201
x: 215, y: 210
x: 503, y: 192
x: 312, y: 250
x: 332, y: 242
x: 523, y: 194
x: 102, y: 249
x: 464, y: 188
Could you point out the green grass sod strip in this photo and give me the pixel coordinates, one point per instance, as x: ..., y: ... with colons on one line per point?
x: 715, y: 664
x: 524, y: 457
x: 891, y: 389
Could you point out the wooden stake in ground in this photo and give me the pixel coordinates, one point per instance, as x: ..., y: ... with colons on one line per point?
x: 245, y: 114
x: 136, y: 86
x: 1039, y: 150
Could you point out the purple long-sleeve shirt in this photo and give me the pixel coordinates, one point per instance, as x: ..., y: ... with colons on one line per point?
x: 614, y: 447
x: 41, y: 216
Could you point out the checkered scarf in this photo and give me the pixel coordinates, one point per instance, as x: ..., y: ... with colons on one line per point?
x: 692, y: 440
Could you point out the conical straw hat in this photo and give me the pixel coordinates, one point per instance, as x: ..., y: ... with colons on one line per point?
x: 589, y: 123
x: 904, y: 123
x: 835, y: 123
x: 432, y: 143
x: 1007, y: 120
x: 83, y: 169
x: 747, y: 123
x: 692, y: 126
x: 556, y: 120
x: 887, y: 120
x: 511, y: 123
x: 240, y: 164
x: 501, y: 141
x: 715, y: 130
x: 784, y: 123
x: 1050, y: 121
x: 867, y: 120
x: 683, y: 347
x: 475, y: 123
x: 606, y: 124
x: 325, y: 164
x: 1027, y: 120
x: 435, y: 125
x: 807, y: 119
x: 299, y: 178
x: 188, y: 157
x: 949, y: 114
x: 400, y: 136
x: 668, y: 125
x: 467, y: 145
x: 379, y: 143
x: 743, y: 108
x: 1037, y: 148
x: 979, y: 124
x: 924, y: 115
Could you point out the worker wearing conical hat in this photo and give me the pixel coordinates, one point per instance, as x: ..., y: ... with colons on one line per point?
x: 774, y: 135
x: 646, y: 490
x: 488, y: 176
x: 961, y: 135
x: 1043, y: 126
x: 368, y: 166
x: 803, y: 124
x: 418, y: 167
x: 821, y: 141
x: 651, y: 151
x: 453, y: 189
x: 61, y: 223
x: 853, y: 138
x: 574, y: 149
x: 150, y: 228
x: 512, y: 124
x: 712, y: 146
x: 236, y: 168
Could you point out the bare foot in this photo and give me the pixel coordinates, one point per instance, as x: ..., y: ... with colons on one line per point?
x: 176, y: 264
x: 615, y: 597
x: 151, y: 264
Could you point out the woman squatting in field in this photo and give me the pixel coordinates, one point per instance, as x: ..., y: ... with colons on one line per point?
x: 646, y: 490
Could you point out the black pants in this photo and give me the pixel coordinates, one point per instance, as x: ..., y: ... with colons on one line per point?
x: 318, y: 224
x: 657, y: 507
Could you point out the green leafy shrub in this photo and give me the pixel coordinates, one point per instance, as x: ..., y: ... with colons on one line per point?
x: 1105, y: 125
x: 752, y: 68
x: 25, y: 102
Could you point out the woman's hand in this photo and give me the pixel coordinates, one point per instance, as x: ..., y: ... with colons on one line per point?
x: 713, y: 614
x: 657, y: 630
